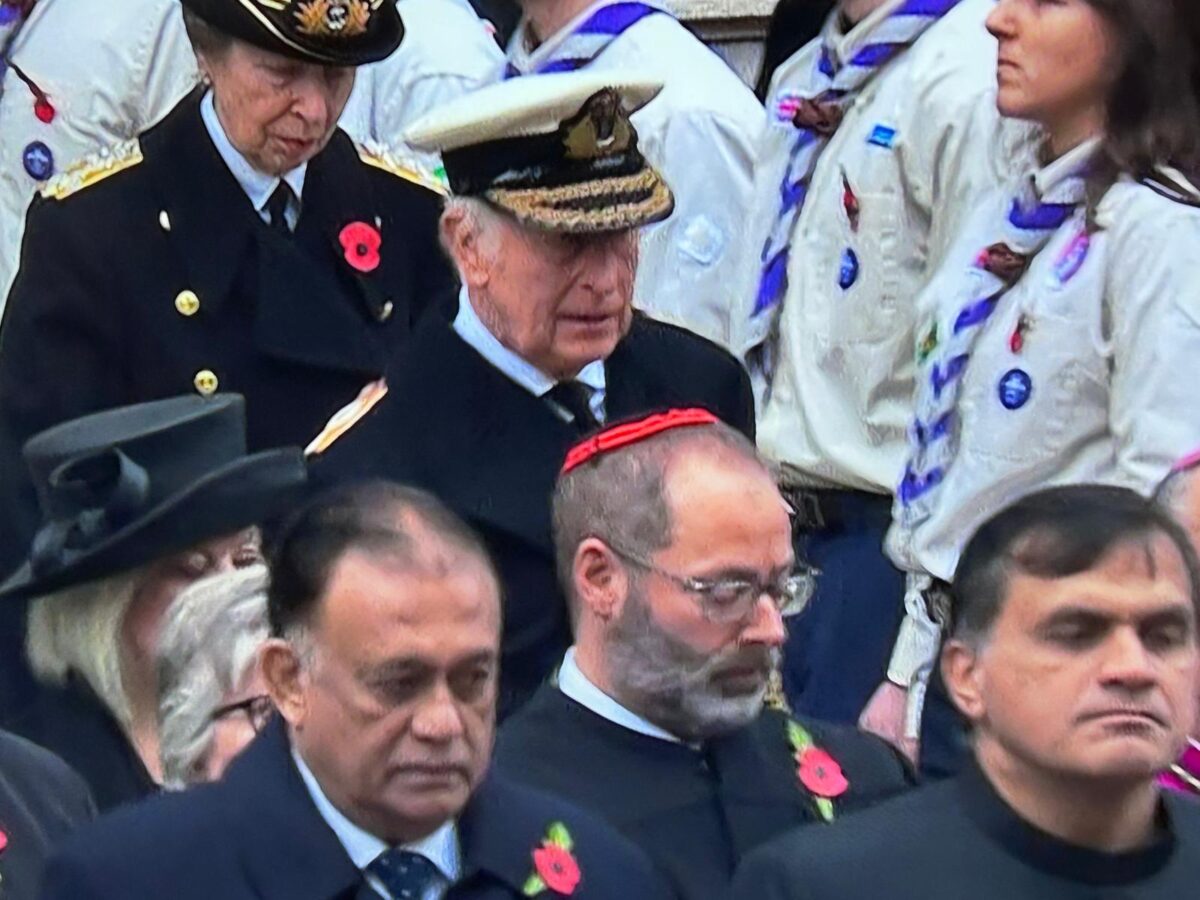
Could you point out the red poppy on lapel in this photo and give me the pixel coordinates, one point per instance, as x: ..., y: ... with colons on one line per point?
x: 3, y: 840
x: 821, y: 774
x: 361, y: 243
x: 555, y: 868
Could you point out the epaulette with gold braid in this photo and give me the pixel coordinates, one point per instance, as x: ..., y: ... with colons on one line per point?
x: 402, y: 166
x: 93, y: 168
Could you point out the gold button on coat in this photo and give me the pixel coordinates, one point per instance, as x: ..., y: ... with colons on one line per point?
x: 206, y: 382
x: 187, y: 303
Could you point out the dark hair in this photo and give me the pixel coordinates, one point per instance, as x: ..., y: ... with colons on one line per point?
x: 1153, y: 111
x: 1055, y: 533
x: 205, y: 39
x: 379, y: 518
x: 619, y: 496
x: 793, y: 24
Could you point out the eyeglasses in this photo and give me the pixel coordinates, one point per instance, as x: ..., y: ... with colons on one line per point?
x: 728, y: 600
x: 258, y: 711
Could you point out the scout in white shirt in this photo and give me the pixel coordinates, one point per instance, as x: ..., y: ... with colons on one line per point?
x: 1059, y: 342
x: 94, y: 80
x: 882, y: 135
x: 700, y: 132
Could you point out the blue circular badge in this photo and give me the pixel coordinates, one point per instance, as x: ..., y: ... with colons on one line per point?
x: 39, y: 161
x: 1016, y: 387
x: 849, y: 271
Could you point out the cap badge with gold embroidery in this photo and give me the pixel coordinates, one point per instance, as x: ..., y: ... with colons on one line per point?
x: 333, y: 18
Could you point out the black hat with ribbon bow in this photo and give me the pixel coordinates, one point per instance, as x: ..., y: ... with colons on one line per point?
x: 121, y: 488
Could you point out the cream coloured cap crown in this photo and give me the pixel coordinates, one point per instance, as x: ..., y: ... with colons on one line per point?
x: 523, y: 107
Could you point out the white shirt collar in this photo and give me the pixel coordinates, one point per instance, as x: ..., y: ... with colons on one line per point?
x: 1069, y: 164
x: 258, y: 186
x: 363, y: 848
x: 471, y: 329
x: 573, y: 683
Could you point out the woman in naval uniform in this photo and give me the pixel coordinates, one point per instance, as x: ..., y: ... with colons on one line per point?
x: 242, y: 244
x: 1061, y: 337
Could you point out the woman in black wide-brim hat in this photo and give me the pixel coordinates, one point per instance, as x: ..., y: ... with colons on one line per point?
x: 137, y: 503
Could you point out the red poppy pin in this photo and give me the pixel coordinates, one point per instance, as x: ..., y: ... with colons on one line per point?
x: 554, y: 868
x: 819, y: 772
x: 361, y: 243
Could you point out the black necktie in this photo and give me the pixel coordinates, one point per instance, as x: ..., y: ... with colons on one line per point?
x: 277, y: 209
x: 574, y: 397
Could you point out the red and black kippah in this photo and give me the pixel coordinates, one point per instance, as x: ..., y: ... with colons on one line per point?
x: 626, y: 434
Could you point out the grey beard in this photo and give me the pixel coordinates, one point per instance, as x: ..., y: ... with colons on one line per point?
x: 670, y: 684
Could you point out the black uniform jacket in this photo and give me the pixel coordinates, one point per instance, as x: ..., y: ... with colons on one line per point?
x: 96, y: 317
x: 41, y: 801
x: 72, y: 722
x: 456, y: 426
x: 957, y: 839
x: 696, y: 812
x: 256, y: 835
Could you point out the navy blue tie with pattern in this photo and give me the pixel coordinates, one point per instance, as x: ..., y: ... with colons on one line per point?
x: 406, y: 875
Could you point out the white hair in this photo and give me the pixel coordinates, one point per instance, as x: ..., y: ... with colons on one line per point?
x: 77, y: 631
x: 211, y: 635
x: 482, y: 218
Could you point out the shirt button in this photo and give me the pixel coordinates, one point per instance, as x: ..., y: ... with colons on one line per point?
x: 206, y: 382
x: 386, y: 312
x: 187, y: 303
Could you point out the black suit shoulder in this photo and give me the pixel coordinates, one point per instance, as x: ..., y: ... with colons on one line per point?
x: 178, y: 838
x: 29, y: 769
x: 698, y: 363
x: 812, y: 863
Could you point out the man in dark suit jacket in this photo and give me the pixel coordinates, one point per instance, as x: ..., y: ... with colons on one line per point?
x: 373, y: 780
x: 1074, y: 653
x: 545, y: 343
x: 41, y: 801
x: 243, y: 244
x: 675, y: 546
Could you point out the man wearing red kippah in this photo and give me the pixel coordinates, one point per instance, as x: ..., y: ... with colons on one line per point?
x: 673, y: 543
x: 550, y: 191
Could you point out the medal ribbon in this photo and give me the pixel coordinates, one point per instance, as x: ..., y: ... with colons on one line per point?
x: 832, y: 85
x: 590, y: 38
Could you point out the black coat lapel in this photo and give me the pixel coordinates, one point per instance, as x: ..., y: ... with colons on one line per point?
x: 633, y: 386
x: 286, y: 847
x: 209, y: 217
x: 490, y: 448
x: 498, y: 833
x: 759, y: 790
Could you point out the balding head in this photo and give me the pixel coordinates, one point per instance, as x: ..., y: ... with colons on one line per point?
x: 675, y: 551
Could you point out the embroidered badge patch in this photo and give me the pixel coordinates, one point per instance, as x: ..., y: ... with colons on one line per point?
x: 1072, y: 258
x: 1015, y: 389
x: 882, y: 136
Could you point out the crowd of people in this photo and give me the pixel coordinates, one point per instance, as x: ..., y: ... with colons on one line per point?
x: 487, y: 450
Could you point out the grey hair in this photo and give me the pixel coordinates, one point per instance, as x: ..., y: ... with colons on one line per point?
x: 620, y: 496
x: 77, y: 631
x: 206, y: 39
x: 1172, y: 493
x: 210, y: 637
x: 484, y: 219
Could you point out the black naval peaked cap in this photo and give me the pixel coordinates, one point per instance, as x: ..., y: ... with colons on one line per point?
x: 327, y: 32
x: 557, y: 151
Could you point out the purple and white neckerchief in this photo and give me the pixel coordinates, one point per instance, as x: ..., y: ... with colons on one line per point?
x: 833, y: 84
x: 590, y: 38
x: 933, y: 436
